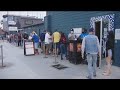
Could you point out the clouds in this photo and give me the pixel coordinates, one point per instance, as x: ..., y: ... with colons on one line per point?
x: 39, y: 14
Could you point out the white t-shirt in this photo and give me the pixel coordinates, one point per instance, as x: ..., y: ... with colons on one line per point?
x: 47, y: 36
x: 50, y: 39
x: 30, y: 37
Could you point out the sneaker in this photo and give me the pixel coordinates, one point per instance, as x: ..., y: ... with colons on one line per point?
x: 61, y: 58
x: 94, y: 75
x: 106, y: 74
x: 88, y: 77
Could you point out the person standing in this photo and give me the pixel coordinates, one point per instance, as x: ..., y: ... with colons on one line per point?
x: 56, y: 39
x: 90, y: 45
x: 51, y: 43
x: 42, y: 39
x: 109, y: 54
x: 63, y: 46
x: 47, y: 42
x: 25, y: 37
x: 35, y: 39
x: 71, y: 35
x: 83, y: 34
x: 19, y: 38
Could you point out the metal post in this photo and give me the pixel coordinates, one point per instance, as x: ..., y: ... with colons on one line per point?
x: 2, y: 55
x: 100, y: 43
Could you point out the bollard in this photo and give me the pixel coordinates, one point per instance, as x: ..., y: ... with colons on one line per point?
x: 2, y: 55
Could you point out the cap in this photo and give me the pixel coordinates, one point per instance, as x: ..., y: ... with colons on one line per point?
x: 71, y: 30
x: 33, y: 32
x: 91, y: 30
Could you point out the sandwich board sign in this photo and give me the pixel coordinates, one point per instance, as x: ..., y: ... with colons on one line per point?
x: 29, y: 48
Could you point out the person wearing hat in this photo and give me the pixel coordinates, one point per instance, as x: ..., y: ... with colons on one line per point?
x: 71, y: 35
x: 90, y: 45
x: 35, y: 39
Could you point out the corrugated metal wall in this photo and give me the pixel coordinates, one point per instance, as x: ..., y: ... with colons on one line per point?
x: 117, y: 42
x: 65, y: 20
x: 37, y: 28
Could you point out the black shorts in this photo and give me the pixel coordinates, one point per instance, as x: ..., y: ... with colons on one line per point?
x: 57, y: 45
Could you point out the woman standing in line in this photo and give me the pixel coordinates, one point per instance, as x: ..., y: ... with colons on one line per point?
x: 109, y: 54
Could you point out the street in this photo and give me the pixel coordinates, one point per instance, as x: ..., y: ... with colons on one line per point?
x: 19, y: 66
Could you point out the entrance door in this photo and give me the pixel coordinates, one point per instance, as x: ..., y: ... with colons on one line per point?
x: 97, y: 29
x: 98, y: 34
x: 101, y: 28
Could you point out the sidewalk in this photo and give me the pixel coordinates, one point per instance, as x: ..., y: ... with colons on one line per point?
x: 19, y: 66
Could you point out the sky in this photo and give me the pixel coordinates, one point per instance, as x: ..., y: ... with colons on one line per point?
x: 39, y: 14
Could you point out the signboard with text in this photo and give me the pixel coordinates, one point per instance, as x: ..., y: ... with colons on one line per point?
x: 77, y: 31
x: 13, y: 29
x: 11, y: 22
x: 117, y: 34
x: 29, y: 48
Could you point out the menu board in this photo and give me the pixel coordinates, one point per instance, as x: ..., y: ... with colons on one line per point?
x: 77, y: 31
x: 29, y: 48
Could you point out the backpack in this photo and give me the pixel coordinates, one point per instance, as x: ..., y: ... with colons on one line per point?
x: 25, y: 36
x: 63, y: 40
x: 42, y: 37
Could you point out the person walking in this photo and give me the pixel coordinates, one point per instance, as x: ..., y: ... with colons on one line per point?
x: 90, y: 45
x: 109, y: 54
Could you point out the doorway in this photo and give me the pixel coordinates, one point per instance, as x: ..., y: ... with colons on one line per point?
x: 97, y: 29
x: 101, y: 29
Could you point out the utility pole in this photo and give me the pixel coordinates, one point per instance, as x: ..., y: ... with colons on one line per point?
x: 27, y: 13
x: 7, y: 12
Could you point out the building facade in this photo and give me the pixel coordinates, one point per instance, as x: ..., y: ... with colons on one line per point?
x: 12, y: 23
x: 38, y: 28
x: 101, y: 21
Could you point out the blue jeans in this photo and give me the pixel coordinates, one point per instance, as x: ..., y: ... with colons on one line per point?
x: 63, y: 50
x: 92, y: 61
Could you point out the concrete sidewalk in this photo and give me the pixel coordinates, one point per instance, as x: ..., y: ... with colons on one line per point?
x: 19, y: 66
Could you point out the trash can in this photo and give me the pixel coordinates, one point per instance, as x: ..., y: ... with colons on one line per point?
x: 74, y: 52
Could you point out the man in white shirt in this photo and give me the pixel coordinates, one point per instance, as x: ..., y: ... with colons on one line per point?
x: 47, y: 42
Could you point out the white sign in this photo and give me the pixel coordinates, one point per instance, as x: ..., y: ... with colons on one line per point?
x: 105, y: 32
x: 77, y: 31
x: 11, y: 22
x: 13, y: 29
x: 29, y: 48
x: 117, y: 34
x: 29, y: 51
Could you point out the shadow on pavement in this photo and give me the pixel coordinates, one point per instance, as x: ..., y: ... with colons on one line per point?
x: 6, y: 65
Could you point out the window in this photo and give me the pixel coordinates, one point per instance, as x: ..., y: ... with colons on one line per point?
x: 28, y: 22
x: 10, y: 18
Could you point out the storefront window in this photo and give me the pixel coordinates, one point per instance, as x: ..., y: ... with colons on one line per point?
x: 10, y: 18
